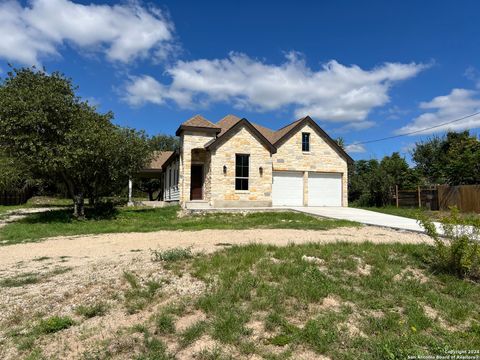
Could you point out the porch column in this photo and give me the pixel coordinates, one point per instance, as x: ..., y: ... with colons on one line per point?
x: 130, y: 187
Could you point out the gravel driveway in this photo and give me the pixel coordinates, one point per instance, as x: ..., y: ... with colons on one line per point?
x: 89, y: 248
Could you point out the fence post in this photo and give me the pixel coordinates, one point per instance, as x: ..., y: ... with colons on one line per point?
x: 396, y: 195
x: 419, y: 196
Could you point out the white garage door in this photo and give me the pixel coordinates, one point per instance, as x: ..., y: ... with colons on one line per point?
x: 324, y: 189
x: 287, y: 188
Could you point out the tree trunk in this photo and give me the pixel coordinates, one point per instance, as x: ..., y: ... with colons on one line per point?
x: 150, y: 195
x: 79, y: 207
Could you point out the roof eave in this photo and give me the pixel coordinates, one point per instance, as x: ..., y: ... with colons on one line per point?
x: 196, y: 128
x: 244, y: 121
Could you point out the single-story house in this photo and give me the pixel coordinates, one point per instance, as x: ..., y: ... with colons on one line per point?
x: 237, y: 163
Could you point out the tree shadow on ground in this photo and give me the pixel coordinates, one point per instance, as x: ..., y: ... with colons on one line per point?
x: 65, y: 215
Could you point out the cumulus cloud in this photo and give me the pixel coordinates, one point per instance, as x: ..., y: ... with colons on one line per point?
x: 122, y: 32
x: 334, y: 92
x: 442, y: 109
x: 355, y: 148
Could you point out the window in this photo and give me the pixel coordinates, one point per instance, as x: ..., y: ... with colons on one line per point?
x: 241, y: 171
x: 305, y: 141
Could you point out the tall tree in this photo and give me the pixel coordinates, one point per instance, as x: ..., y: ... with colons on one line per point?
x: 162, y: 142
x: 46, y: 125
x: 372, y: 181
x: 453, y: 159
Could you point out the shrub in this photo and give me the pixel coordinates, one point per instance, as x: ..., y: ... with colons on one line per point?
x: 172, y: 254
x: 458, y: 249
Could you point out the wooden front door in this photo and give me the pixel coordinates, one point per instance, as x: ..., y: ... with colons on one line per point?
x: 196, y: 183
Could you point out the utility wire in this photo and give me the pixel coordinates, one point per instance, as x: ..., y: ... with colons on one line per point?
x: 416, y: 131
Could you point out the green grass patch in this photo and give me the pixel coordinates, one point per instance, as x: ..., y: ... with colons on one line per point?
x: 192, y: 333
x: 414, y: 213
x: 389, y: 307
x: 172, y: 254
x: 60, y: 222
x: 138, y: 296
x: 92, y: 310
x: 20, y: 280
x: 164, y: 323
x: 32, y: 278
x: 54, y: 324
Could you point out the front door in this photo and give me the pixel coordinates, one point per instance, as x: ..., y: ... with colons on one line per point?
x: 196, y: 183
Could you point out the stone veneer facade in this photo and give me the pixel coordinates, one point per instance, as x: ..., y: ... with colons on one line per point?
x: 321, y: 158
x: 219, y: 188
x: 223, y: 193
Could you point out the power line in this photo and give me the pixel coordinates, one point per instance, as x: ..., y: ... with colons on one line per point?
x: 416, y: 131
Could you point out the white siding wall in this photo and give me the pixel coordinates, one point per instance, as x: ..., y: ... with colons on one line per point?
x: 171, y: 176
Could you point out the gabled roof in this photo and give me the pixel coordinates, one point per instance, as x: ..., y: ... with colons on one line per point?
x: 287, y: 131
x: 228, y: 121
x: 236, y: 125
x: 270, y: 138
x: 197, y: 122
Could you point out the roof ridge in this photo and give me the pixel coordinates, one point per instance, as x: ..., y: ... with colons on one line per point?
x: 293, y: 122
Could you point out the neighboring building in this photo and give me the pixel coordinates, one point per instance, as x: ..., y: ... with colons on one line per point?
x: 236, y: 163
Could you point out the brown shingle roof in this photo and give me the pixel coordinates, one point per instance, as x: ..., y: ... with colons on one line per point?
x: 228, y: 121
x: 159, y: 159
x: 199, y: 121
x: 273, y: 137
x: 281, y: 132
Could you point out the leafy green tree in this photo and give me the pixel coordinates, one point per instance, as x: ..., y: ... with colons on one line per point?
x: 47, y: 126
x: 14, y: 174
x: 162, y: 142
x: 453, y: 159
x: 341, y: 142
x: 372, y: 181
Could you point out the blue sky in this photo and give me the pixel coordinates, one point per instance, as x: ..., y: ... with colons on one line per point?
x: 363, y: 70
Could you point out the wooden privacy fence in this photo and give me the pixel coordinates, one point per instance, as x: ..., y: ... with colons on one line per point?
x: 14, y: 197
x: 465, y: 197
x: 420, y: 197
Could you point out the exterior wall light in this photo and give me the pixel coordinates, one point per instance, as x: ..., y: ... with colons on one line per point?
x: 224, y: 169
x: 261, y: 170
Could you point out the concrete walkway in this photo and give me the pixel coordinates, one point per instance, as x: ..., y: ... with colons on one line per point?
x: 365, y: 217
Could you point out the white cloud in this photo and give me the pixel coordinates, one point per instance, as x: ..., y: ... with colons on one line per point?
x: 122, y: 32
x: 335, y: 92
x: 355, y: 148
x: 472, y: 74
x: 144, y: 89
x: 442, y: 109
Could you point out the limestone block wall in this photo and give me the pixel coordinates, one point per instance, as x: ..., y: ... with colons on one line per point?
x: 223, y: 193
x: 188, y: 141
x: 321, y: 158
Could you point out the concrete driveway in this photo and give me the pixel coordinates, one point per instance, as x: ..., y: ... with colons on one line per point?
x: 365, y: 217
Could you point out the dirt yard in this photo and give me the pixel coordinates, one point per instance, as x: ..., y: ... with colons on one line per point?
x: 57, y: 275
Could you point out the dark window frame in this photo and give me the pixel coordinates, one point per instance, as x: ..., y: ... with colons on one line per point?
x: 242, y: 172
x: 305, y: 142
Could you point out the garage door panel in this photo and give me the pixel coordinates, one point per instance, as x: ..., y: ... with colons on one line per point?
x: 324, y: 189
x: 287, y: 188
